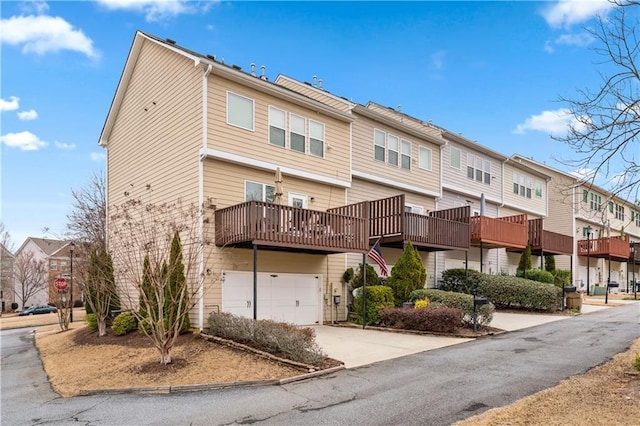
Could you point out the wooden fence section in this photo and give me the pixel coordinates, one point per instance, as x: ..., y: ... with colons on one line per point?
x: 267, y: 224
x: 613, y: 247
x: 511, y: 231
x: 543, y: 241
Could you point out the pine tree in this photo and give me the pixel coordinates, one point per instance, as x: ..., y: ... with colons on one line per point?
x: 408, y: 274
x: 147, y: 299
x: 176, y: 291
x: 525, y: 260
x: 550, y: 263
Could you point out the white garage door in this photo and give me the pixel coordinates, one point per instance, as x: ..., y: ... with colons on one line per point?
x: 293, y: 298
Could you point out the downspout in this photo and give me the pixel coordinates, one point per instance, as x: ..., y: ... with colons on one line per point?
x: 499, y: 209
x: 438, y: 198
x: 201, y: 157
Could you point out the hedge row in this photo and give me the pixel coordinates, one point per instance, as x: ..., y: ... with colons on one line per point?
x: 461, y: 301
x: 519, y: 293
x: 445, y: 320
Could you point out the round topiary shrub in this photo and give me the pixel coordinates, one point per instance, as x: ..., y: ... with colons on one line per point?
x: 123, y: 323
x: 92, y: 322
x: 378, y: 297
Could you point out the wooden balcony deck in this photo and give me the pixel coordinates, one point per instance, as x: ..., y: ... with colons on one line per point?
x: 511, y: 231
x: 613, y: 247
x: 274, y: 226
x: 438, y: 230
x: 547, y: 242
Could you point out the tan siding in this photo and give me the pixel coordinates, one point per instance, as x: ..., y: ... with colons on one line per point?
x: 255, y: 144
x: 157, y: 118
x: 367, y: 191
x: 313, y: 93
x: 363, y: 157
x: 457, y: 178
x: 534, y: 204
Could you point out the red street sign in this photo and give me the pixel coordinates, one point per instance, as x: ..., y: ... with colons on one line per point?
x: 60, y: 283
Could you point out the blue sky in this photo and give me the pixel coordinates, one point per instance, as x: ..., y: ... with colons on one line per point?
x: 492, y: 71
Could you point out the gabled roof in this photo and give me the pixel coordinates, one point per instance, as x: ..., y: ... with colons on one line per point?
x: 48, y: 246
x: 209, y: 63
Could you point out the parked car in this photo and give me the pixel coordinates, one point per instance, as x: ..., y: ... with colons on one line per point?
x: 35, y: 310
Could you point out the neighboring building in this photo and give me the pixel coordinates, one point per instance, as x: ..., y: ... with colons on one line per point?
x: 6, y: 278
x: 40, y: 249
x: 59, y: 266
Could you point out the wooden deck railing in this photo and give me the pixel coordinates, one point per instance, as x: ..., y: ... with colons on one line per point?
x: 443, y: 229
x: 255, y: 222
x: 500, y: 232
x: 614, y: 247
x: 547, y: 241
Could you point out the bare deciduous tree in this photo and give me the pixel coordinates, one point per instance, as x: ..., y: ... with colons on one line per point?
x: 140, y: 240
x: 31, y: 276
x: 88, y: 221
x: 605, y: 134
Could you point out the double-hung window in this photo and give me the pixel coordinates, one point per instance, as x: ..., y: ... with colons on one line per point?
x: 479, y: 169
x: 240, y: 111
x: 255, y: 191
x: 405, y: 157
x: 454, y: 160
x: 596, y: 202
x: 619, y: 212
x: 54, y: 265
x: 392, y: 149
x: 538, y: 189
x: 297, y: 132
x: 424, y: 158
x: 316, y: 138
x: 379, y: 145
x: 277, y: 127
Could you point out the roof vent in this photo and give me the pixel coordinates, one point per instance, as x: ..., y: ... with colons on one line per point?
x: 262, y: 72
x: 315, y: 81
x: 212, y: 57
x: 168, y: 40
x: 399, y: 108
x: 320, y: 83
x: 253, y: 69
x: 236, y: 67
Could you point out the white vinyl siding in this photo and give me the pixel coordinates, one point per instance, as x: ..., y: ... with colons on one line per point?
x: 392, y: 149
x: 522, y: 185
x: 455, y: 158
x: 405, y: 159
x: 240, y: 111
x: 277, y: 127
x: 478, y: 169
x: 538, y: 189
x: 297, y: 133
x: 425, y: 158
x: 255, y: 191
x: 316, y: 138
x: 379, y: 145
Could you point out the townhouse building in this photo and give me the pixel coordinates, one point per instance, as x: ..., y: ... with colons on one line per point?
x: 6, y: 278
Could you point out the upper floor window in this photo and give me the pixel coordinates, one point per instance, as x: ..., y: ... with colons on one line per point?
x: 478, y: 169
x: 379, y: 145
x: 277, y: 127
x: 297, y: 132
x: 585, y: 232
x: 424, y: 158
x: 240, y: 111
x: 405, y: 156
x: 392, y: 149
x: 619, y: 212
x: 255, y: 191
x: 596, y: 202
x: 538, y: 189
x: 585, y: 196
x: 54, y: 265
x: 316, y: 138
x: 635, y: 216
x: 63, y: 265
x: 522, y: 185
x: 454, y: 157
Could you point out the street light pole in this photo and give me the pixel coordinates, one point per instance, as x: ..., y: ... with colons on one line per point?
x: 588, y: 254
x: 72, y: 246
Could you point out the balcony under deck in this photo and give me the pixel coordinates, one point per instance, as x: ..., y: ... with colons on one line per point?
x: 277, y: 227
x: 436, y: 231
x: 508, y: 232
x: 605, y: 248
x: 546, y: 242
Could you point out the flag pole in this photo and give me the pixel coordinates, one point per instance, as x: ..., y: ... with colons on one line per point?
x: 364, y: 290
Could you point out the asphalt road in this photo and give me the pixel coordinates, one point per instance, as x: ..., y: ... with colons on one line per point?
x: 431, y: 388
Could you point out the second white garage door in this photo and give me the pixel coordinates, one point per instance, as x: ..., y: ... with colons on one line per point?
x: 293, y: 298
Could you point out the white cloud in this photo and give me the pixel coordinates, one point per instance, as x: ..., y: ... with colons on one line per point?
x: 26, y: 141
x: 97, y: 156
x: 34, y: 6
x: 570, y: 12
x: 156, y: 10
x: 65, y: 146
x: 10, y: 105
x: 44, y: 34
x: 580, y: 40
x: 555, y: 123
x: 28, y: 115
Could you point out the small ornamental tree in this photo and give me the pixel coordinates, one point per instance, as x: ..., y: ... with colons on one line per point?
x: 525, y: 259
x: 100, y: 287
x: 408, y: 274
x: 549, y: 263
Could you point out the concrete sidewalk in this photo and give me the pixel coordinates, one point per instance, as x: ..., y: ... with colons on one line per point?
x: 356, y: 347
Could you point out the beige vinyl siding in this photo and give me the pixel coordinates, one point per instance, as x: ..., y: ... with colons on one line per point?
x: 457, y: 180
x: 255, y: 144
x: 313, y: 93
x: 405, y: 119
x: 363, y: 157
x: 157, y: 134
x: 535, y: 204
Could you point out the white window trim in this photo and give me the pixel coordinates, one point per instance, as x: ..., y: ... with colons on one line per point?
x: 264, y: 189
x: 384, y: 146
x: 303, y: 197
x: 253, y: 111
x: 271, y: 107
x: 415, y: 208
x: 397, y: 150
x: 324, y: 144
x: 424, y: 148
x: 451, y: 149
x: 404, y: 142
x: 304, y: 133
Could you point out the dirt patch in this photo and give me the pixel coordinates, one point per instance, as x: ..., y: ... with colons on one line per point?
x: 78, y: 360
x: 606, y: 395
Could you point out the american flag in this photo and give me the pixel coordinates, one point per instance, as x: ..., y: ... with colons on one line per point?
x: 376, y: 255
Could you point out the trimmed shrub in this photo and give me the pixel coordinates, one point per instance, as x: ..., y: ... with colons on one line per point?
x: 377, y: 298
x: 518, y: 293
x: 358, y: 280
x: 14, y: 306
x: 408, y: 274
x: 562, y: 277
x: 461, y: 301
x: 123, y: 323
x: 455, y: 280
x: 92, y: 322
x: 525, y: 259
x: 536, y: 275
x: 421, y: 303
x: 549, y: 263
x: 444, y: 320
x: 277, y: 338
